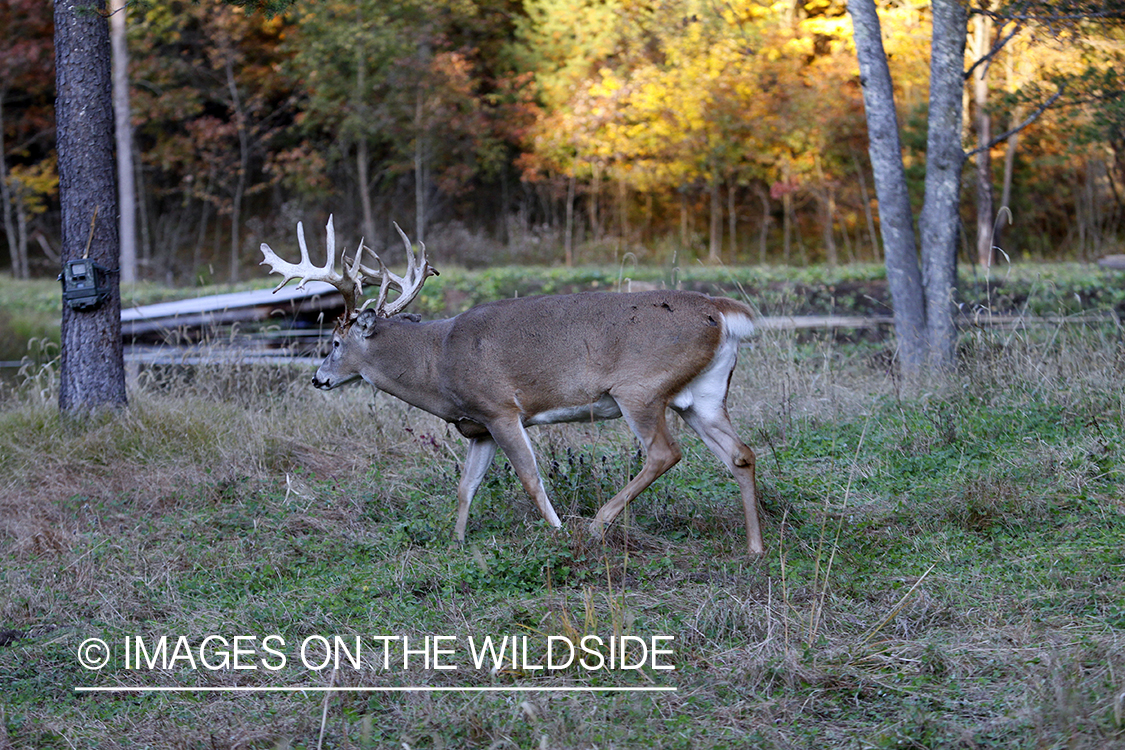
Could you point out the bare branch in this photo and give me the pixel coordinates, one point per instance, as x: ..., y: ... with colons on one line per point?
x: 1030, y: 119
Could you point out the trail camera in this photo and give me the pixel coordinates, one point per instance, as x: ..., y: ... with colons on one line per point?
x: 84, y: 284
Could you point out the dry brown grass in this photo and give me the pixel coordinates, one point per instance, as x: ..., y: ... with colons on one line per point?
x: 966, y: 607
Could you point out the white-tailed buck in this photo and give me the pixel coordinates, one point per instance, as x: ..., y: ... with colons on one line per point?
x: 495, y: 370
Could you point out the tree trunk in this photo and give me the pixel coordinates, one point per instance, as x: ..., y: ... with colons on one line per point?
x: 362, y: 163
x: 939, y: 222
x: 764, y: 230
x: 622, y: 210
x: 982, y: 42
x: 683, y: 218
x: 22, y: 266
x: 895, y: 214
x: 786, y: 216
x: 1009, y: 168
x: 875, y: 254
x: 732, y: 220
x: 595, y: 190
x: 568, y: 237
x: 243, y: 167
x: 92, y: 371
x: 6, y: 198
x: 123, y: 131
x: 827, y: 199
x: 145, y: 242
x: 419, y: 170
x: 715, y: 246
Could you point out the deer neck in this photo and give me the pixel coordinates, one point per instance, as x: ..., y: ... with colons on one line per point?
x: 402, y: 360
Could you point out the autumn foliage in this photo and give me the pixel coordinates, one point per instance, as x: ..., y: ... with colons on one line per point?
x: 547, y: 130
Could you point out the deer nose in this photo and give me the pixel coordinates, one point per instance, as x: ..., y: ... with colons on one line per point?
x: 318, y: 383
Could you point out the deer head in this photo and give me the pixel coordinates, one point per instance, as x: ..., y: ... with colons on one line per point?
x: 350, y: 282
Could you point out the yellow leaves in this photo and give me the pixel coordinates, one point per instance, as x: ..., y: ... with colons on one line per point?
x: 31, y: 185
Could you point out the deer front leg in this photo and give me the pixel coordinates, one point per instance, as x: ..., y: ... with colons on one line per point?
x: 477, y: 461
x: 512, y: 438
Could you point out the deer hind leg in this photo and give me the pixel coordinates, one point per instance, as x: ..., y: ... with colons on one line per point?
x: 661, y: 453
x: 512, y: 438
x: 477, y: 461
x: 709, y: 419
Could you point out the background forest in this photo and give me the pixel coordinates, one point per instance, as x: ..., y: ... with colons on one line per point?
x: 552, y: 131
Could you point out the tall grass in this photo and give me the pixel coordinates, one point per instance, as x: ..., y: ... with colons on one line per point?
x: 944, y: 564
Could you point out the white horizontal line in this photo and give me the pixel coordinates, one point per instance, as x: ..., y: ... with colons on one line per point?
x: 386, y: 689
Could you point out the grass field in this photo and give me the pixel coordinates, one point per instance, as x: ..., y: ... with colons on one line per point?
x: 945, y: 564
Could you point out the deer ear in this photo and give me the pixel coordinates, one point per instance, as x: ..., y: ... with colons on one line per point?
x: 366, y: 323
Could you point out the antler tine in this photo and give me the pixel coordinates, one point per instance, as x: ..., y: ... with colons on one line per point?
x: 348, y: 283
x: 408, y: 286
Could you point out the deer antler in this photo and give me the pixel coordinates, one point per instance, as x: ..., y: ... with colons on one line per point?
x: 408, y: 286
x: 349, y: 283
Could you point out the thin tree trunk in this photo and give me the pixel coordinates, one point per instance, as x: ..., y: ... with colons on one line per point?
x: 23, y: 267
x: 362, y: 160
x: 362, y: 163
x: 827, y: 199
x: 683, y: 218
x: 1009, y: 168
x: 145, y: 261
x: 732, y: 220
x: 938, y: 224
x: 419, y: 171
x: 895, y: 214
x: 568, y: 237
x: 243, y: 166
x: 92, y: 368
x: 786, y: 227
x: 123, y: 131
x: 874, y: 238
x: 715, y: 246
x: 622, y: 209
x: 595, y: 190
x: 6, y: 199
x: 982, y: 41
x: 646, y: 234
x: 763, y: 231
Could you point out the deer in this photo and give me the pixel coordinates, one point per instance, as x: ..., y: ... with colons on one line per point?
x: 504, y: 366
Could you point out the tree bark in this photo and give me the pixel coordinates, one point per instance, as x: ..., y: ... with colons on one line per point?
x: 1006, y: 189
x: 764, y: 229
x: 123, y: 132
x: 568, y: 237
x: 92, y: 372
x: 786, y: 215
x: 982, y: 42
x: 826, y: 196
x: 895, y: 214
x: 939, y: 222
x: 732, y: 220
x: 243, y: 169
x: 867, y: 215
x: 6, y: 206
x: 419, y: 168
x: 715, y: 246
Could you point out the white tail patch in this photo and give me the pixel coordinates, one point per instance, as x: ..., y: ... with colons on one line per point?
x: 738, y: 325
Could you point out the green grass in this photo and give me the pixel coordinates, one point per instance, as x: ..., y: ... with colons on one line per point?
x: 944, y: 564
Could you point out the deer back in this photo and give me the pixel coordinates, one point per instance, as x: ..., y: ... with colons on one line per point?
x: 541, y: 353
